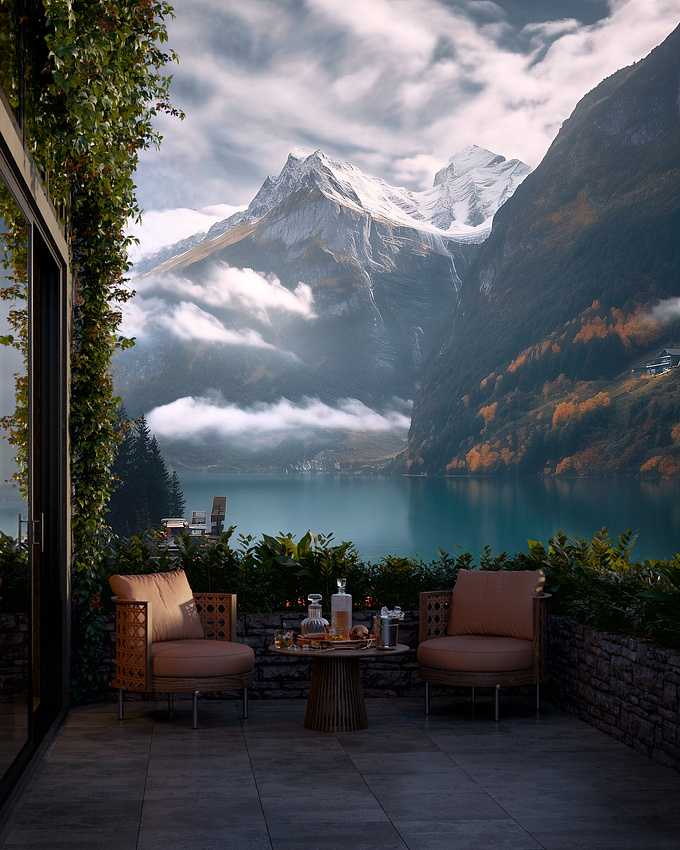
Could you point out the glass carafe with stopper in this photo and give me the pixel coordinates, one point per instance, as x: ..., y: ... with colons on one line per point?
x: 314, y: 624
x: 341, y: 611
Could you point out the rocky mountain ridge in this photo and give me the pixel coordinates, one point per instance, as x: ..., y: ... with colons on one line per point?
x: 541, y: 370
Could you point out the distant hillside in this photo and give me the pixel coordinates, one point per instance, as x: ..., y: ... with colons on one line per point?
x: 578, y: 284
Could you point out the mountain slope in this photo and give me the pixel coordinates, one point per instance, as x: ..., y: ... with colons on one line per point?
x: 329, y: 286
x: 578, y: 284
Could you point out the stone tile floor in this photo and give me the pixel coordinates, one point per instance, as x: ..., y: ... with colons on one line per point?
x: 451, y: 780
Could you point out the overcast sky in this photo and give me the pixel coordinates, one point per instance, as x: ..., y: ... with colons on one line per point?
x: 393, y: 86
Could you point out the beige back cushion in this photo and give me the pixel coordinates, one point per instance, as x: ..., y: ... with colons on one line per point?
x: 495, y: 603
x: 173, y: 608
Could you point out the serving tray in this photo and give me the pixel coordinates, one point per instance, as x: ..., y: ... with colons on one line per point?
x: 362, y: 643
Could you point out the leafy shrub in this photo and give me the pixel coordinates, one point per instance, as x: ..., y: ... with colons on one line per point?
x: 14, y: 589
x: 595, y: 581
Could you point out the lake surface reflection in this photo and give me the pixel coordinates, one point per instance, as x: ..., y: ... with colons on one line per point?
x: 407, y: 516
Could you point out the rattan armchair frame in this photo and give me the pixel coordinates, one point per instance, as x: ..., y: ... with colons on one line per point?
x: 434, y: 620
x: 217, y: 612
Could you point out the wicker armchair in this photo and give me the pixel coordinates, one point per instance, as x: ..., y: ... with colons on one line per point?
x: 489, y: 632
x: 176, y: 641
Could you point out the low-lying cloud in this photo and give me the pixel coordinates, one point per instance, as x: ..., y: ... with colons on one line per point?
x: 241, y: 289
x: 188, y: 322
x: 666, y: 311
x: 230, y: 307
x: 192, y: 418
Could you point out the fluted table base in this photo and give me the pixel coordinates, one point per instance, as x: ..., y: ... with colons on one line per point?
x: 336, y: 696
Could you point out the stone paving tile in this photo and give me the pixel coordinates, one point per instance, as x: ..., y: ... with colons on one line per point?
x: 556, y: 798
x: 64, y: 838
x: 669, y: 827
x: 251, y: 837
x: 397, y: 764
x: 304, y: 781
x: 446, y: 803
x: 613, y: 832
x: 331, y: 835
x: 186, y: 814
x: 619, y: 770
x: 530, y: 781
x: 452, y: 780
x: 342, y: 806
x: 465, y: 835
x: 386, y: 741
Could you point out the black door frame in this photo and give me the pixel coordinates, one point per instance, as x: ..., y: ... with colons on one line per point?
x: 49, y: 503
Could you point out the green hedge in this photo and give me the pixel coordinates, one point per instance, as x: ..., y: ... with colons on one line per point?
x: 596, y: 581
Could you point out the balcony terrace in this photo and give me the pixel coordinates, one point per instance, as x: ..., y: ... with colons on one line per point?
x: 450, y: 780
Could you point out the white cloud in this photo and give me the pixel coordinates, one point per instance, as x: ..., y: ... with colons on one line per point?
x: 188, y: 322
x: 160, y: 228
x: 188, y: 418
x: 666, y: 311
x: 219, y: 310
x: 242, y: 289
x: 379, y: 82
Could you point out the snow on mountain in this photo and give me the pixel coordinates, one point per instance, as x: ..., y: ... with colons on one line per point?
x: 459, y: 206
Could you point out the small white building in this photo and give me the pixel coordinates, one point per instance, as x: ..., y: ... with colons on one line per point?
x: 664, y: 361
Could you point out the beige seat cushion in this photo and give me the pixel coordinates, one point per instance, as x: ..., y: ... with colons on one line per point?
x: 476, y: 654
x: 173, y: 608
x: 486, y: 602
x: 201, y: 658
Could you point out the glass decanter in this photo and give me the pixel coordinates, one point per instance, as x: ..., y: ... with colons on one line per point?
x: 341, y: 611
x: 314, y: 624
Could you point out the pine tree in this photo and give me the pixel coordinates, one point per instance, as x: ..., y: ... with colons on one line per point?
x: 147, y: 492
x: 177, y: 500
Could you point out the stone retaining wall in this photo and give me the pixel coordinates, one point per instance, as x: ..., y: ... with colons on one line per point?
x: 628, y: 688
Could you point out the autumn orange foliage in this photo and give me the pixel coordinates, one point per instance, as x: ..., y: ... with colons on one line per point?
x: 636, y: 329
x: 488, y: 413
x: 521, y: 360
x: 595, y: 328
x: 665, y: 465
x: 481, y: 457
x: 573, y: 410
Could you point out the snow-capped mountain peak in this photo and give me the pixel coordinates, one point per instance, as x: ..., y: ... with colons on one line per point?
x: 465, y: 195
x: 460, y: 205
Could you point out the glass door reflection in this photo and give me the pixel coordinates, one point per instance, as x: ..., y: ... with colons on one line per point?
x: 15, y: 597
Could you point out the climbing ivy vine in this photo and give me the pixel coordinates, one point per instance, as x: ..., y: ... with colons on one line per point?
x: 95, y: 81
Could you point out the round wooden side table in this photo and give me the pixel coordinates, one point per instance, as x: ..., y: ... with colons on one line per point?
x: 336, y: 696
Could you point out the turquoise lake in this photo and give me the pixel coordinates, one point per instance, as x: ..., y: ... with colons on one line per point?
x: 408, y: 516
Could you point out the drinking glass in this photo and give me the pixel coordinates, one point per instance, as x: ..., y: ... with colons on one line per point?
x: 283, y: 638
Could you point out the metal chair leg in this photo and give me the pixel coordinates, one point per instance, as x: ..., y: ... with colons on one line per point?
x: 473, y: 695
x: 171, y: 703
x: 245, y: 703
x: 538, y: 696
x: 427, y: 698
x: 496, y: 710
x: 194, y: 713
x: 120, y: 704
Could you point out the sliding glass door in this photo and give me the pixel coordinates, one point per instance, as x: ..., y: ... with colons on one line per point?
x: 34, y: 555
